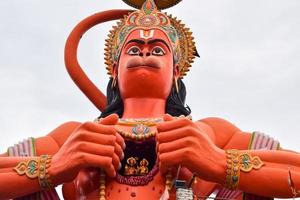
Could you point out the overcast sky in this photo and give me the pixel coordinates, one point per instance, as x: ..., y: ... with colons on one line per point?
x: 248, y: 74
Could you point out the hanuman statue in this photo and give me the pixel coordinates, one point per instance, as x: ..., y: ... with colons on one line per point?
x: 145, y: 144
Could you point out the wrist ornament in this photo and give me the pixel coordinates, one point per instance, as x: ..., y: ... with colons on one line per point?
x: 239, y: 162
x: 36, y: 168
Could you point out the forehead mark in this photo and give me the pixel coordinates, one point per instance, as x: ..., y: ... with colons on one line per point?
x: 146, y: 34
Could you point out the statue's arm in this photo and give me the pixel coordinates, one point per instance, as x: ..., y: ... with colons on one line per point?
x: 74, y: 147
x: 223, y: 135
x: 13, y: 185
x: 272, y: 178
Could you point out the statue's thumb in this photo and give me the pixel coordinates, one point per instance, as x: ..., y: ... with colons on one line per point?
x: 110, y: 120
x: 167, y: 117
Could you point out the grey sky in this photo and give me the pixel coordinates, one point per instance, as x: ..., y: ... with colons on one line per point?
x: 249, y: 71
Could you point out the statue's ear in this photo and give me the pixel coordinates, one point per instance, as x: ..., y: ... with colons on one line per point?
x: 115, y: 70
x: 176, y: 71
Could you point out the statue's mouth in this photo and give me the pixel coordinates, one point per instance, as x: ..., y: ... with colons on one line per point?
x: 143, y: 66
x: 151, y: 62
x: 140, y: 158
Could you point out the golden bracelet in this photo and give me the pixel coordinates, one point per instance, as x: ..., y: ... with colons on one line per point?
x: 237, y: 162
x: 37, y: 168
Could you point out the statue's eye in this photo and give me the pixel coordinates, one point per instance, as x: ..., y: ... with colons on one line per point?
x: 158, y: 51
x: 134, y: 51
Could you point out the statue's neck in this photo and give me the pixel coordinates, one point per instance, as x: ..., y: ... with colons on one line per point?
x: 144, y: 107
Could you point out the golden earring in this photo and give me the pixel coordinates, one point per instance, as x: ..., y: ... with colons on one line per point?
x: 176, y: 84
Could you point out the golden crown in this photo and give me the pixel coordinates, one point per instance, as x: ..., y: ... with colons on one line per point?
x: 149, y: 17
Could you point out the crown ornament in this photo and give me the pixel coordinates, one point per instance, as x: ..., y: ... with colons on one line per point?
x: 161, y: 4
x: 150, y: 17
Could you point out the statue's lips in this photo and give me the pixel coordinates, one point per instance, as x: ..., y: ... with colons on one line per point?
x: 152, y: 63
x: 143, y: 66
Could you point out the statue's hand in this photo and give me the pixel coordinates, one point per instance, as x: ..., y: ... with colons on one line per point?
x: 182, y: 142
x: 90, y: 145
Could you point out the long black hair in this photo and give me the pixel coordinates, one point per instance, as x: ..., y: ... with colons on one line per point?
x: 175, y: 104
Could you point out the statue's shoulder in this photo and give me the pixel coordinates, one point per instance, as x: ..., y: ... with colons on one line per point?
x: 219, y: 130
x: 219, y: 124
x: 63, y: 131
x: 47, y: 144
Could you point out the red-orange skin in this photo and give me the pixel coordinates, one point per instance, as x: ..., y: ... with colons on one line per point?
x: 80, y: 149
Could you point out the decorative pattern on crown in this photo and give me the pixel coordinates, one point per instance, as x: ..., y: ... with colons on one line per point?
x: 148, y: 16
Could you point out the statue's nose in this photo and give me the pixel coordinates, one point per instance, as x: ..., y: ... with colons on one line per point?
x: 145, y: 53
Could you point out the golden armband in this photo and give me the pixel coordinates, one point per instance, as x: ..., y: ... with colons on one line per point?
x: 37, y: 168
x: 236, y: 162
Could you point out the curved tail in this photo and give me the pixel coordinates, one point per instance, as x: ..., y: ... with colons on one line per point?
x: 74, y: 69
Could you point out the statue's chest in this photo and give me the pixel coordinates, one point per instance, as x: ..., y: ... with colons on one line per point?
x: 139, y: 176
x: 116, y: 191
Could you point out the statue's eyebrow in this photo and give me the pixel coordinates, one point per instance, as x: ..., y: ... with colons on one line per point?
x: 159, y: 40
x: 149, y: 42
x: 135, y: 41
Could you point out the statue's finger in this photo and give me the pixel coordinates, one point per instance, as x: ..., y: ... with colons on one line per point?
x: 120, y: 141
x: 176, y: 144
x: 169, y: 161
x: 169, y: 136
x: 100, y: 128
x: 174, y: 124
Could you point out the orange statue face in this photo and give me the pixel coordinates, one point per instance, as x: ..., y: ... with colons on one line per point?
x: 146, y: 67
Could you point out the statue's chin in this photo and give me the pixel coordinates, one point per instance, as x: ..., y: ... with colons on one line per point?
x: 145, y: 83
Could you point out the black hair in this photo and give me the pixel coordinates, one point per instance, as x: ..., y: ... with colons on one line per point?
x: 175, y: 104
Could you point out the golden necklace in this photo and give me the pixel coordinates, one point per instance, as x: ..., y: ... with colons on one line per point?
x: 141, y: 128
x: 137, y: 137
x: 144, y: 121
